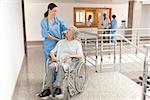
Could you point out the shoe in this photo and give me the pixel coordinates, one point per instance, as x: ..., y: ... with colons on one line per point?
x: 141, y: 78
x: 44, y: 94
x: 58, y: 93
x: 140, y: 83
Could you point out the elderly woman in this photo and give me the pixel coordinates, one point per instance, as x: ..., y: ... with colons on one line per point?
x: 65, y: 50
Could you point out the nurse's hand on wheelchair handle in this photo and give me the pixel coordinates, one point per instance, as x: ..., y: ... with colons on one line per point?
x: 55, y: 60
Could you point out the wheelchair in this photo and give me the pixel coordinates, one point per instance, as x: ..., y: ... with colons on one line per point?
x: 74, y: 80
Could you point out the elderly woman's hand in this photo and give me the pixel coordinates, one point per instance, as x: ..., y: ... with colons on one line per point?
x: 66, y: 59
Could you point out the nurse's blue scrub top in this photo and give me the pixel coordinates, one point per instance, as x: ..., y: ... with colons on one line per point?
x: 55, y: 29
x: 114, y: 24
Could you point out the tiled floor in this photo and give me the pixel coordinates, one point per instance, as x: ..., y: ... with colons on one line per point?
x: 100, y: 86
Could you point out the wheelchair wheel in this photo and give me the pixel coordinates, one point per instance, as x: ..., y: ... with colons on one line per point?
x: 48, y: 61
x: 66, y: 89
x: 68, y: 97
x: 81, y: 76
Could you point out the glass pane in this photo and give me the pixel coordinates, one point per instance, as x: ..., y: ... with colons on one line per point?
x: 90, y: 18
x: 100, y: 16
x: 80, y: 17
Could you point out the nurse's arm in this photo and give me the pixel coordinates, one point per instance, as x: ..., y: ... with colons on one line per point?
x: 53, y: 52
x: 45, y: 33
x: 54, y: 59
x: 53, y: 38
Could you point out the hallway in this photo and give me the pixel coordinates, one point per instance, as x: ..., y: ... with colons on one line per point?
x: 31, y: 76
x: 100, y: 86
x: 21, y: 77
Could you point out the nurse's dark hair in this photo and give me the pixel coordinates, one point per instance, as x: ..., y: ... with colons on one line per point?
x: 50, y: 6
x: 113, y: 16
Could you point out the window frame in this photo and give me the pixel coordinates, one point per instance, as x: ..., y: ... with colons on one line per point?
x: 86, y: 9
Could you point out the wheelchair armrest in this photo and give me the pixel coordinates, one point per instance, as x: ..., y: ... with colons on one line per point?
x: 73, y: 59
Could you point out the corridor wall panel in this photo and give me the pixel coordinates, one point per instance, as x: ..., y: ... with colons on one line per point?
x: 11, y: 46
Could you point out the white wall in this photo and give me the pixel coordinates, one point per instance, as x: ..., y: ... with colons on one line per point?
x: 35, y: 11
x: 145, y: 16
x: 11, y: 46
x: 137, y: 14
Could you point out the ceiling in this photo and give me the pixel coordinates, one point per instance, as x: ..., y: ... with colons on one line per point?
x: 79, y: 1
x: 86, y: 1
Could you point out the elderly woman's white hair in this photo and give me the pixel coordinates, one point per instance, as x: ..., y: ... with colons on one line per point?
x: 75, y: 31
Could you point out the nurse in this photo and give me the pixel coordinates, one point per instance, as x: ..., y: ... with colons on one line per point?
x: 52, y: 28
x: 113, y: 26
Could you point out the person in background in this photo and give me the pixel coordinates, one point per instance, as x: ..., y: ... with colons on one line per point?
x: 52, y: 28
x: 105, y: 24
x: 113, y: 26
x: 88, y: 22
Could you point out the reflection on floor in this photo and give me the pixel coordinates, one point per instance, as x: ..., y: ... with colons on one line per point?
x: 100, y: 86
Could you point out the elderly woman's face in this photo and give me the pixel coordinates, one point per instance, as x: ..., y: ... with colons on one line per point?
x: 69, y: 33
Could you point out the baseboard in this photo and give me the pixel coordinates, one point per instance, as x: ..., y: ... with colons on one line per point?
x: 29, y: 43
x: 18, y: 77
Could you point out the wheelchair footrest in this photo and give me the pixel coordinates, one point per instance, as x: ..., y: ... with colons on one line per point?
x: 72, y: 91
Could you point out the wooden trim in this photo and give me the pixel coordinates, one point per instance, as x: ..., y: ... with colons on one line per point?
x: 83, y: 8
x: 96, y: 17
x: 110, y: 14
x: 74, y: 13
x: 85, y: 16
x: 86, y: 26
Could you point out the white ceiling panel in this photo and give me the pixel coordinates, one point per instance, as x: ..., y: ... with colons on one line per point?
x: 79, y: 1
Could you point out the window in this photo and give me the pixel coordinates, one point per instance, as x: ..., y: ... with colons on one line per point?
x: 79, y: 18
x: 89, y: 17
